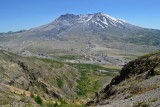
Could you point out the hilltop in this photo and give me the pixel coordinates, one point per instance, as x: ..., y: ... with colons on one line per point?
x: 138, y: 85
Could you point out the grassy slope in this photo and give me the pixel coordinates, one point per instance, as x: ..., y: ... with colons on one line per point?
x: 62, y: 74
x: 91, y: 79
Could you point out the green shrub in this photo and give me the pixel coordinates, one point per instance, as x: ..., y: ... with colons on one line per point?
x: 154, y: 99
x: 39, y: 100
x: 50, y: 104
x: 59, y: 82
x: 32, y: 95
x: 157, y: 71
x: 141, y: 104
x: 56, y: 104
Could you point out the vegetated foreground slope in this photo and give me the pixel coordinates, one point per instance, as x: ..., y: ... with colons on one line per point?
x: 27, y: 81
x: 138, y: 85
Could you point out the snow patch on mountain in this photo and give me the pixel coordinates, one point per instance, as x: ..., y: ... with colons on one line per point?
x: 98, y: 24
x: 105, y: 21
x: 84, y: 18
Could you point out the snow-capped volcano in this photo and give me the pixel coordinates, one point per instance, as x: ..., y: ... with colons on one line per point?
x: 70, y: 24
x: 99, y: 19
x: 99, y: 25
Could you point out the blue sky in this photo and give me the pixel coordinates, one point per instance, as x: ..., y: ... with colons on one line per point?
x: 24, y: 14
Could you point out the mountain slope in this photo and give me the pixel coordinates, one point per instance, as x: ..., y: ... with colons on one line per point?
x: 98, y: 24
x: 137, y: 85
x: 21, y: 78
x: 38, y: 75
x: 98, y: 37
